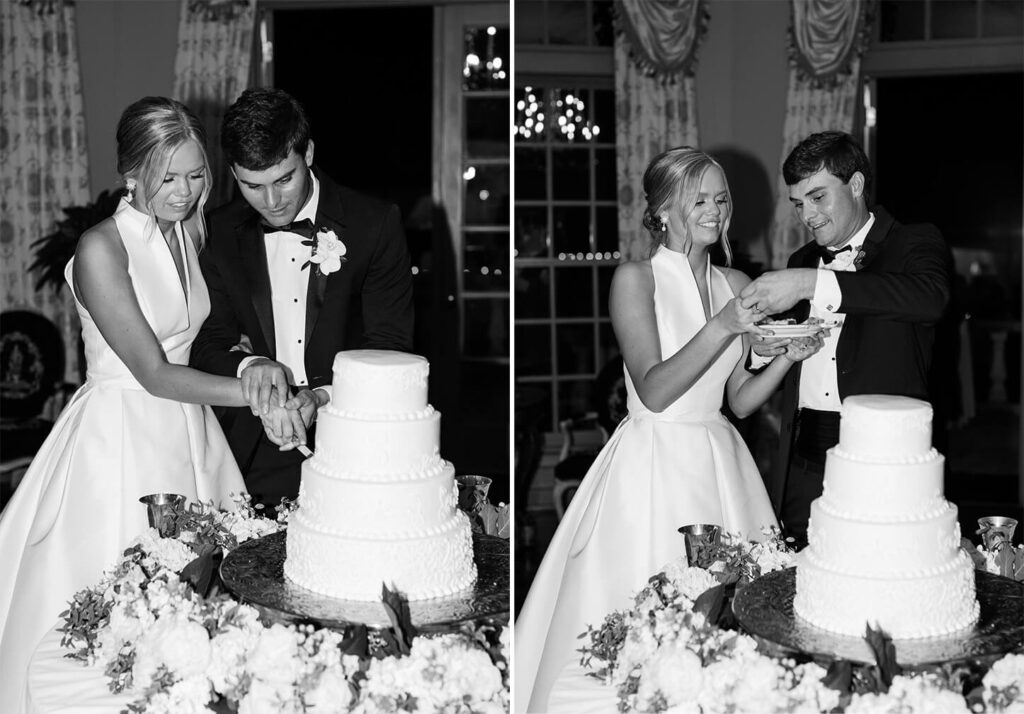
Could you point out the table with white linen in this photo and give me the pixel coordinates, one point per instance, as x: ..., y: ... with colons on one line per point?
x: 576, y: 693
x: 58, y: 684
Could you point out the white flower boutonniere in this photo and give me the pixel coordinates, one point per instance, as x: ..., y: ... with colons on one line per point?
x: 328, y: 251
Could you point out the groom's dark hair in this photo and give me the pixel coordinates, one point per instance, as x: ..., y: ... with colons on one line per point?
x: 836, y: 151
x: 262, y: 127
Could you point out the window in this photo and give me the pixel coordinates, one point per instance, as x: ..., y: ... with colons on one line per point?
x: 566, y: 242
x: 917, y: 20
x: 564, y: 22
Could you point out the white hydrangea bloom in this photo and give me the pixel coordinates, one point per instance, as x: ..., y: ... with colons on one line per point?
x: 674, y: 672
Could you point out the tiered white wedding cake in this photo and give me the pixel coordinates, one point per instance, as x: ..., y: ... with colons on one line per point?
x: 377, y: 503
x: 884, y: 543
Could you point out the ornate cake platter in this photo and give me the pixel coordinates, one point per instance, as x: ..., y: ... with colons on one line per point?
x: 254, y: 572
x: 765, y: 610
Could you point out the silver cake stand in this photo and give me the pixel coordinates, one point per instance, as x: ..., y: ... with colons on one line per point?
x: 764, y: 609
x: 254, y: 573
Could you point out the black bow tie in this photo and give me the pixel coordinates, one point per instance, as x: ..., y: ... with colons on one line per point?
x: 303, y: 228
x: 828, y: 255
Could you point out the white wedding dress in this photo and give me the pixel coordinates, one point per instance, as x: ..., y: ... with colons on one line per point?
x: 77, y: 507
x: 659, y: 471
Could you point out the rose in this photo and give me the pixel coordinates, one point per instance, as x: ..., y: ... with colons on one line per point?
x: 275, y: 657
x: 175, y: 643
x: 676, y: 673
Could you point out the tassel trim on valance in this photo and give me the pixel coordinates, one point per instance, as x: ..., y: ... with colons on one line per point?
x: 662, y: 36
x: 218, y: 9
x: 826, y: 36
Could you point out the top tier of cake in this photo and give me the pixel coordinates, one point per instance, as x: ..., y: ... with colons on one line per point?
x: 378, y: 382
x: 885, y: 428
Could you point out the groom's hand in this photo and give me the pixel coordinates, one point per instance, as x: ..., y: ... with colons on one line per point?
x: 259, y: 380
x: 307, y: 401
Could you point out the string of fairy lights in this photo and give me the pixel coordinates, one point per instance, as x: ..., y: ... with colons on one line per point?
x: 568, y: 115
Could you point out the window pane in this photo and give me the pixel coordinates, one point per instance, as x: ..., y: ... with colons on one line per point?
x: 1002, y: 18
x: 486, y: 261
x: 529, y: 22
x: 571, y: 115
x: 607, y: 231
x: 954, y: 18
x: 575, y: 397
x: 533, y: 349
x: 604, y: 285
x: 531, y: 112
x: 902, y: 20
x: 486, y: 197
x: 486, y: 126
x: 531, y: 174
x: 533, y: 296
x: 575, y: 348
x: 567, y: 22
x: 570, y: 173
x: 604, y: 29
x: 486, y: 327
x: 604, y: 174
x: 571, y: 230
x: 486, y: 58
x: 603, y: 115
x: 532, y: 232
x: 574, y: 291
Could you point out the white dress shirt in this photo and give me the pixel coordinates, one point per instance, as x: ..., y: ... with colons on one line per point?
x: 289, y: 283
x: 819, y: 378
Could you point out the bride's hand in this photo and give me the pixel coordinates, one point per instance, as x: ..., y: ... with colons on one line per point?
x: 738, y: 319
x: 283, y: 426
x: 800, y: 348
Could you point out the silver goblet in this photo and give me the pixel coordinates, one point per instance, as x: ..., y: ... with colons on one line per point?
x: 160, y: 508
x: 996, y: 531
x: 696, y: 538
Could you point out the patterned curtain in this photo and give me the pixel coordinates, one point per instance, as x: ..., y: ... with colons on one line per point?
x: 826, y: 41
x: 211, y: 69
x: 655, y: 96
x: 43, y: 162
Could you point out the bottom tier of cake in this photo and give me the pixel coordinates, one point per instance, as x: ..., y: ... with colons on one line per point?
x: 343, y: 566
x: 915, y: 605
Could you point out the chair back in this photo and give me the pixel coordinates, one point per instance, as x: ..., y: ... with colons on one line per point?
x: 31, y: 363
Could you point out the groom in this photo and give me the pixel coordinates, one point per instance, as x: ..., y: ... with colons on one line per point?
x: 281, y: 307
x: 887, y: 283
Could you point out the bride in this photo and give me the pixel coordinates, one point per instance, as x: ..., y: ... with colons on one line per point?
x: 675, y: 459
x: 136, y: 426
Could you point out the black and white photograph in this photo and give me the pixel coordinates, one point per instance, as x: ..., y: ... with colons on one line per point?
x: 256, y: 356
x: 767, y: 356
x: 522, y: 356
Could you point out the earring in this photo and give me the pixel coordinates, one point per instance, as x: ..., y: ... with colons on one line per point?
x: 664, y: 224
x: 129, y: 185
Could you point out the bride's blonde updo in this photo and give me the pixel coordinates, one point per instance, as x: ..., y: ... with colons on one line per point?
x: 148, y: 133
x: 672, y: 182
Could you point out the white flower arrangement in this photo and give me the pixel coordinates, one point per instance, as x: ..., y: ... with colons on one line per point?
x: 678, y: 650
x: 175, y: 650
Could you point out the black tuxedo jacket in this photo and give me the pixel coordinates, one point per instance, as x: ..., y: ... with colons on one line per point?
x: 366, y: 304
x: 891, y: 303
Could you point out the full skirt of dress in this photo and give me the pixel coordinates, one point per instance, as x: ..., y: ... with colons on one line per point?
x: 78, y: 507
x: 655, y: 474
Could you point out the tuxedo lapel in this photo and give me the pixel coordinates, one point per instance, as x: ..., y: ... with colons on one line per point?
x: 873, y: 240
x: 329, y: 216
x: 254, y: 259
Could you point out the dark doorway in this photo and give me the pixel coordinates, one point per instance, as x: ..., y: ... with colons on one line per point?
x: 950, y: 151
x: 366, y: 78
